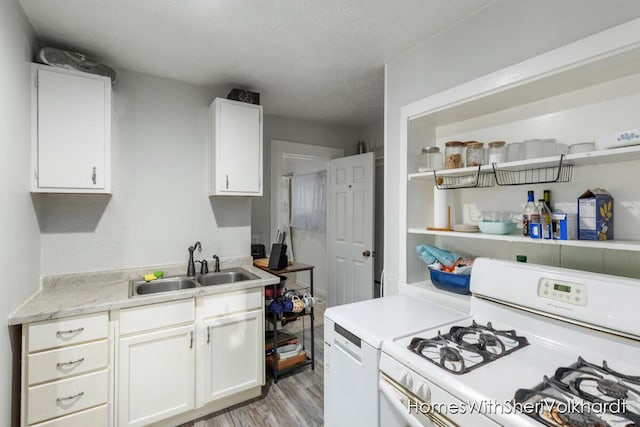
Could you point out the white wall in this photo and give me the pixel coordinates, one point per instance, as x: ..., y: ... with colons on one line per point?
x: 499, y: 35
x: 159, y: 205
x: 20, y: 249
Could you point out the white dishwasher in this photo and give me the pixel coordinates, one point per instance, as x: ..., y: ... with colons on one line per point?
x: 353, y: 335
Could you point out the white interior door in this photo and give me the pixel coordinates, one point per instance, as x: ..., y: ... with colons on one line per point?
x: 350, y: 224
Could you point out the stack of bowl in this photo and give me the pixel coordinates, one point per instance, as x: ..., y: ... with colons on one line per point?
x: 497, y: 222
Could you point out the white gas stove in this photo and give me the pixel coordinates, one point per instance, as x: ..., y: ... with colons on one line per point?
x: 544, y: 346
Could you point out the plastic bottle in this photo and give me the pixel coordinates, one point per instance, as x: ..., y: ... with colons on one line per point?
x: 529, y: 209
x: 545, y: 219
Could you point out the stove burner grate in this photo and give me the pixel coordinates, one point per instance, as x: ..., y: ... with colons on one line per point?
x: 608, y: 396
x: 465, y: 348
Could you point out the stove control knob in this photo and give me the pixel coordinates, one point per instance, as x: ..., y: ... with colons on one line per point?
x: 424, y: 392
x: 405, y: 379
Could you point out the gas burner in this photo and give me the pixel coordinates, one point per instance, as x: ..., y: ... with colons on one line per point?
x: 488, y: 339
x: 609, y: 388
x: 447, y: 354
x: 605, y: 395
x: 465, y: 348
x: 550, y: 409
x: 575, y: 419
x: 547, y: 408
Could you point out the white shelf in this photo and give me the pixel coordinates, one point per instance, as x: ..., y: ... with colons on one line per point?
x: 621, y: 245
x: 613, y: 155
x: 574, y: 93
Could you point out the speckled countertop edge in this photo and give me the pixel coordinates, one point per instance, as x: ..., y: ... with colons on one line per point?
x: 85, y: 293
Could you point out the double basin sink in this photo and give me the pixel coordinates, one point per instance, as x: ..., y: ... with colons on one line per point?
x: 230, y: 275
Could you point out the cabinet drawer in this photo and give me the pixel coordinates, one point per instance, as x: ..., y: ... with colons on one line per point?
x: 217, y: 305
x: 72, y: 330
x: 94, y: 417
x: 67, y: 361
x: 156, y: 316
x: 66, y: 396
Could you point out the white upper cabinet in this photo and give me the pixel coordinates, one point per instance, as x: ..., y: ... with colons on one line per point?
x: 235, y: 149
x: 71, y: 131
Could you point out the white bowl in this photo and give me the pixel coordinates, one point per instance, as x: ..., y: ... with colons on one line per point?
x: 499, y: 227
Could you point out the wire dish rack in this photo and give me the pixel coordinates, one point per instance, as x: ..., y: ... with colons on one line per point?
x: 551, y: 172
x: 474, y: 179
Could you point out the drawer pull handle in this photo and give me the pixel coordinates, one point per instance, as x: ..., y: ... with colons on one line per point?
x: 73, y: 362
x: 191, y: 340
x: 62, y: 399
x: 208, y: 334
x: 70, y: 331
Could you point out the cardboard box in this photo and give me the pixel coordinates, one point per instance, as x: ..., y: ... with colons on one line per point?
x: 595, y: 215
x: 564, y: 226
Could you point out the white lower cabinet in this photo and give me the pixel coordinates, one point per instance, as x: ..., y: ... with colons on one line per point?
x: 197, y: 355
x: 94, y: 417
x: 156, y: 374
x: 233, y: 354
x: 66, y: 396
x: 66, y: 372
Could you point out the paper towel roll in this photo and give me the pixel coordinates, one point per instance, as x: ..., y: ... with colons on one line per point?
x: 441, y: 203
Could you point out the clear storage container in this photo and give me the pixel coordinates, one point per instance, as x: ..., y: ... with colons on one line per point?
x: 453, y: 154
x: 431, y: 159
x: 497, y: 152
x: 475, y: 154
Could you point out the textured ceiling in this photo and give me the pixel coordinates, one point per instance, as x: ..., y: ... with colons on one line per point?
x: 312, y: 59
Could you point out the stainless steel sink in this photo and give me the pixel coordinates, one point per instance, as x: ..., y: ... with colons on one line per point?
x: 230, y: 275
x: 140, y: 287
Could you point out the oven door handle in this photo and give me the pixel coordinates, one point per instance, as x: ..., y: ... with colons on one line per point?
x: 388, y: 392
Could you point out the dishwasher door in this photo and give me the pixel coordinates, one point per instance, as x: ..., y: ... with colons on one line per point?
x: 350, y: 379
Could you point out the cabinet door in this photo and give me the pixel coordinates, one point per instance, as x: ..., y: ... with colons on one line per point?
x: 156, y: 375
x: 72, y: 130
x: 239, y: 148
x: 234, y: 354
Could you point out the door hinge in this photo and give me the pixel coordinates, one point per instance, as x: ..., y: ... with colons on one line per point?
x: 35, y: 80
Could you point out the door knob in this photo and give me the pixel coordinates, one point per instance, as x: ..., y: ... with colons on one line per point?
x: 366, y: 254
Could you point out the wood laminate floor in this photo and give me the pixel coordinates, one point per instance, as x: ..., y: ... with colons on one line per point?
x: 296, y: 400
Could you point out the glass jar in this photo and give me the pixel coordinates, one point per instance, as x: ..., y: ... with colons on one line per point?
x: 475, y: 154
x: 431, y: 159
x: 497, y: 152
x: 453, y: 154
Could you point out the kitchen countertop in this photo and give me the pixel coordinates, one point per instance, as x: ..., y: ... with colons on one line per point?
x: 77, y: 294
x: 390, y: 317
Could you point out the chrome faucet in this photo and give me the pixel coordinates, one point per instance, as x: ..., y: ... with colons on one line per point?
x: 216, y: 268
x: 191, y: 266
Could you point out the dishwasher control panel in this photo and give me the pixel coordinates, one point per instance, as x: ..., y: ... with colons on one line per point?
x: 558, y: 290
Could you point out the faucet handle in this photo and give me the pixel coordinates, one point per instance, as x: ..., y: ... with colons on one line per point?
x: 204, y: 266
x: 217, y: 263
